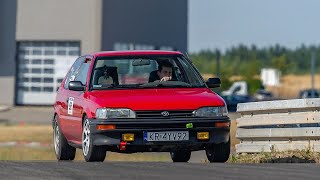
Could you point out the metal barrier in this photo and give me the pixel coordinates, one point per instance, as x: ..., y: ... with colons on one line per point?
x: 279, y: 125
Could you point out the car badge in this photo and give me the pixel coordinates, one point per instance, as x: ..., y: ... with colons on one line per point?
x: 165, y: 113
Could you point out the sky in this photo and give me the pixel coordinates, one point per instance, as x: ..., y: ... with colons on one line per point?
x: 225, y: 23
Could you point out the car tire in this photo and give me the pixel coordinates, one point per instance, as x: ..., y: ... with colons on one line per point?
x: 180, y: 155
x: 91, y: 153
x: 62, y: 149
x: 218, y: 152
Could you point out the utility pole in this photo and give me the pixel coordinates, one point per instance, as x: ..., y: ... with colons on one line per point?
x: 313, y: 56
x: 218, y: 62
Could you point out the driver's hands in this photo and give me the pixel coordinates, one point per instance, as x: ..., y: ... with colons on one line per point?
x: 166, y: 78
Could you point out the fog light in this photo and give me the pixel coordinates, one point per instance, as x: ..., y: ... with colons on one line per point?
x: 128, y: 137
x: 222, y: 124
x: 105, y: 127
x: 203, y: 135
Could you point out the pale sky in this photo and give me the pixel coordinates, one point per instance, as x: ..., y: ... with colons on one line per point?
x: 225, y: 23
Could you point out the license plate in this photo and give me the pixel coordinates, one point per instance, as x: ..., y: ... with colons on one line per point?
x: 166, y: 136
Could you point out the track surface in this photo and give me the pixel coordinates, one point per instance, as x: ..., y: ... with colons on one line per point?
x: 155, y: 171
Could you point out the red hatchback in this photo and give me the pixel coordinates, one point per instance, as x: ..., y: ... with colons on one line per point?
x: 139, y: 101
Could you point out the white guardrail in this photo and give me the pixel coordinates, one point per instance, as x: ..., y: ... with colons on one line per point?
x: 279, y: 125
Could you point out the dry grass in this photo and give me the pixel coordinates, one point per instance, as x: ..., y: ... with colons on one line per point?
x: 305, y: 156
x: 159, y: 157
x: 291, y: 85
x: 26, y: 133
x: 24, y: 153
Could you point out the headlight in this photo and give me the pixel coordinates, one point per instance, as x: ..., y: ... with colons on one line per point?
x: 107, y: 113
x: 211, y: 111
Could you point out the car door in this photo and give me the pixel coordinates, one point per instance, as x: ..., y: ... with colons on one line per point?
x: 79, y: 101
x: 67, y: 115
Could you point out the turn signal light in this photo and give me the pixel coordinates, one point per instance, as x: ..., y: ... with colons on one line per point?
x: 203, y: 135
x: 128, y: 137
x: 106, y: 127
x: 222, y: 124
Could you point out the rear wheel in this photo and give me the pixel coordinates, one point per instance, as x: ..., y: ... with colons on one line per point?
x: 91, y: 153
x: 180, y: 155
x: 218, y: 152
x: 62, y: 149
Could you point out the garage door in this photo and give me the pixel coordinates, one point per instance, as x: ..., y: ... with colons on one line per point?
x: 41, y: 66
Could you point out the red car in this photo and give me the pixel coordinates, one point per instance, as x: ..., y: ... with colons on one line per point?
x: 139, y: 101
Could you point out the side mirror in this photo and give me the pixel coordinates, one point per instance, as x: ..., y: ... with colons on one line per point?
x: 76, y: 86
x: 213, y: 82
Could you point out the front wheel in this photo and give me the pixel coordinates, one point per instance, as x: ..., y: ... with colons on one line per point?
x: 180, y: 155
x: 218, y: 152
x: 91, y: 153
x: 62, y: 149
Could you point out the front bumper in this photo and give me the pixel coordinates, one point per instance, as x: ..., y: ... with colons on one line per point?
x: 139, y: 126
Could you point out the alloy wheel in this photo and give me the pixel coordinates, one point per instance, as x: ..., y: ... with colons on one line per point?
x: 56, y: 138
x: 86, y: 138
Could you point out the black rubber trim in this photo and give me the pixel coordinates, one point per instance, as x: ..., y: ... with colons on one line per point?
x: 158, y: 121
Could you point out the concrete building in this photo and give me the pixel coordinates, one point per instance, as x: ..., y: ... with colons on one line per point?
x: 145, y: 24
x: 7, y: 51
x: 42, y: 38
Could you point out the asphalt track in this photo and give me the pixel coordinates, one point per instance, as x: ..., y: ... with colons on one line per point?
x: 155, y: 171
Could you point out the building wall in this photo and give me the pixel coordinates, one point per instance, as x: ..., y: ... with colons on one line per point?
x: 97, y: 24
x: 7, y: 51
x: 74, y: 20
x: 142, y: 23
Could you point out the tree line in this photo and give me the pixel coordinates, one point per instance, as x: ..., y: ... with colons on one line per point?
x: 247, y: 61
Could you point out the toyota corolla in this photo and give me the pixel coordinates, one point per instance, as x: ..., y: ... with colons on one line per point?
x: 139, y: 101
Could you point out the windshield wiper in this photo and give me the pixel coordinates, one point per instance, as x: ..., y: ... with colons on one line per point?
x: 112, y: 86
x: 172, y: 85
x: 165, y: 84
x: 104, y: 86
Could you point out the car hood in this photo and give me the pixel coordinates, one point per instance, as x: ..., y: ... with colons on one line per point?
x: 157, y: 99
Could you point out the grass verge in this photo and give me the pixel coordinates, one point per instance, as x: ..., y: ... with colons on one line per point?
x: 303, y: 156
x: 26, y: 133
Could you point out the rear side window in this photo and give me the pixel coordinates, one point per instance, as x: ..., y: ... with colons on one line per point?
x: 73, y: 71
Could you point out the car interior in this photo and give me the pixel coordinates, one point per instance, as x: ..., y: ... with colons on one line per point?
x: 105, y: 75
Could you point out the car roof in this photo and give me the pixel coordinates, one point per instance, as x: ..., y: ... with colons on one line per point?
x: 135, y: 52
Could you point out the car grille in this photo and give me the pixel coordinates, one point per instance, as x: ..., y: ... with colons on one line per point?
x: 165, y: 126
x: 163, y: 115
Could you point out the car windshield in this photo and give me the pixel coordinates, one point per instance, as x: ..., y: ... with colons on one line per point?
x: 144, y: 72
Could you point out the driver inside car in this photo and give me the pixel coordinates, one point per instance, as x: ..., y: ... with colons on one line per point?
x: 164, y: 73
